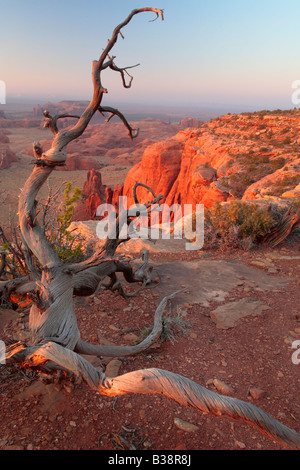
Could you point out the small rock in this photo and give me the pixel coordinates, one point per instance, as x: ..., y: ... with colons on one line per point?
x: 114, y: 328
x: 240, y: 445
x: 272, y: 271
x: 180, y: 447
x: 209, y: 382
x: 48, y: 437
x: 256, y: 393
x: 259, y: 264
x: 112, y: 368
x: 223, y: 387
x: 147, y: 444
x: 185, y: 425
x: 227, y: 315
x: 131, y: 337
x: 68, y: 387
x: 193, y: 335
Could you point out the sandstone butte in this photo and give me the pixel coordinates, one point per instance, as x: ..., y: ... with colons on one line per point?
x: 247, y: 156
x: 7, y: 156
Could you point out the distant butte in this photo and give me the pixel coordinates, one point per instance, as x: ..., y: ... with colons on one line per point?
x: 7, y: 156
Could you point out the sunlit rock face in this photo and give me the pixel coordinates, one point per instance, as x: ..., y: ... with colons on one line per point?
x: 93, y: 195
x: 178, y: 169
x: 246, y: 156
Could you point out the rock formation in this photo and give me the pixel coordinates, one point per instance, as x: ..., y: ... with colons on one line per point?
x: 7, y: 156
x: 93, y: 194
x: 246, y: 156
x: 77, y: 162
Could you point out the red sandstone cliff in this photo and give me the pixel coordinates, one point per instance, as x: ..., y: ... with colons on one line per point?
x: 235, y: 156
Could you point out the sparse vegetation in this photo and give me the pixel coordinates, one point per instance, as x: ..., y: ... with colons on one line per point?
x: 67, y: 246
x: 236, y: 224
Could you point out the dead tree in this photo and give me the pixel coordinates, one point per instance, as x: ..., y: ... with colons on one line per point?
x: 56, y: 342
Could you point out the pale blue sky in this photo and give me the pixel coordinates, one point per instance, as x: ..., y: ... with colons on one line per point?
x: 221, y: 52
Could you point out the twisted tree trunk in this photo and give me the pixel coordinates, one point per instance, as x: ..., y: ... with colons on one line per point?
x: 56, y: 339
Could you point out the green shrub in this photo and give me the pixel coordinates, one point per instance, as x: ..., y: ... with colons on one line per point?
x: 237, y: 224
x: 67, y: 246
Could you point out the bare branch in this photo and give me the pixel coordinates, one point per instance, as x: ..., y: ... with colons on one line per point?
x: 122, y: 72
x: 51, y: 121
x: 160, y: 382
x: 57, y: 154
x: 156, y: 199
x: 133, y: 133
x: 117, y: 30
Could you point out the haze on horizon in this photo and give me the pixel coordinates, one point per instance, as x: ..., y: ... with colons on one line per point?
x: 217, y: 53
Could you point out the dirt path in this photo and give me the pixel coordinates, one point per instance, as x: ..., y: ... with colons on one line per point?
x: 253, y: 357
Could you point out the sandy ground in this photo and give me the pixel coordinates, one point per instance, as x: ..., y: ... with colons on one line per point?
x: 253, y: 358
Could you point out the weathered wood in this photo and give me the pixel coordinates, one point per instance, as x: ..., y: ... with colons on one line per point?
x: 56, y: 337
x: 168, y: 384
x: 281, y: 230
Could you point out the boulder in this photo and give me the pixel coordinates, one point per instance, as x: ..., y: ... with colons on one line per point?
x: 7, y: 156
x: 227, y: 315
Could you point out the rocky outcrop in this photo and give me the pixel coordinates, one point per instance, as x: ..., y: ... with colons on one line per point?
x: 7, y: 156
x: 190, y: 122
x: 93, y: 194
x: 77, y: 162
x: 4, y: 139
x: 112, y: 194
x: 176, y: 169
x: 246, y: 156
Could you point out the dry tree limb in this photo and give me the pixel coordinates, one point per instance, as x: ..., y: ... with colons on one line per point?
x: 281, y: 230
x: 133, y: 133
x: 161, y: 382
x: 51, y: 121
x: 115, y: 351
x: 52, y: 319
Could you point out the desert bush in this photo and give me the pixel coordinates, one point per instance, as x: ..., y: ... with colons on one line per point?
x: 67, y: 246
x: 237, y: 224
x: 278, y: 163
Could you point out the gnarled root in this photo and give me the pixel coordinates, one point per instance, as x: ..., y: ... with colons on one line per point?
x: 161, y: 382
